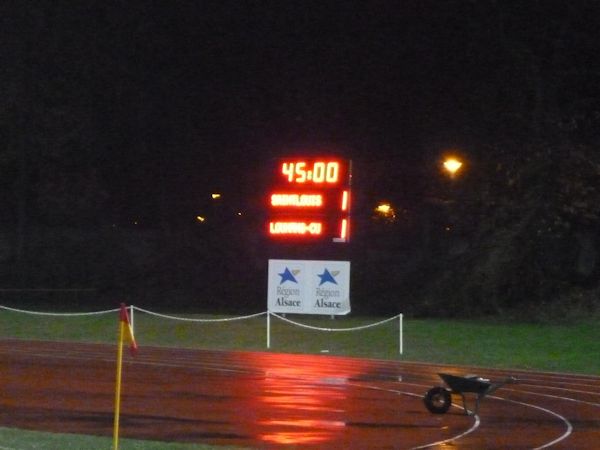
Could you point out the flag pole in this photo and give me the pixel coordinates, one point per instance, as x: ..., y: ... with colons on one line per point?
x: 118, y: 385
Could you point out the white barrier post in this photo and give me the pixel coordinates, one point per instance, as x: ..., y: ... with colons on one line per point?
x: 268, y: 329
x: 401, y: 339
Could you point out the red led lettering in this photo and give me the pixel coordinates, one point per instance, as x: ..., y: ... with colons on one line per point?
x: 296, y: 228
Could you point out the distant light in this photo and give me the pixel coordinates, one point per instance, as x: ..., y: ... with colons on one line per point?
x: 200, y: 218
x: 239, y: 213
x: 386, y: 211
x: 215, y: 195
x: 452, y: 165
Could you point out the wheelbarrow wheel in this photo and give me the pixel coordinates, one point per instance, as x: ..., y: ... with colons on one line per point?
x: 438, y: 400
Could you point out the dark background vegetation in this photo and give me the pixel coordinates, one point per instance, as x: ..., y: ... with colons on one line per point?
x: 119, y: 119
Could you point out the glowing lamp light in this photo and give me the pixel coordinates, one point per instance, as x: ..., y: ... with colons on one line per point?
x: 200, y: 219
x: 215, y: 195
x: 452, y: 165
x: 384, y: 209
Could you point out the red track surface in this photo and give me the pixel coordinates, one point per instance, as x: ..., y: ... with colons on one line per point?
x: 269, y: 400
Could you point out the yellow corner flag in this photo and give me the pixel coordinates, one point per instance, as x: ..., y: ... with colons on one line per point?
x: 125, y: 322
x: 124, y: 327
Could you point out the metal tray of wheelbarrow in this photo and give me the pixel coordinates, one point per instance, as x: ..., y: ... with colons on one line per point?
x: 439, y: 398
x: 467, y: 383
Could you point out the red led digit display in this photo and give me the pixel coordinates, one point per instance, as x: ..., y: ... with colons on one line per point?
x: 318, y: 172
x: 310, y: 200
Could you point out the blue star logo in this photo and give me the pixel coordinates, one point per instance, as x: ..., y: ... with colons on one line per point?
x: 327, y: 277
x: 286, y: 275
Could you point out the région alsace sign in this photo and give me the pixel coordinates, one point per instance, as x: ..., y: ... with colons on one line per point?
x: 309, y: 287
x: 310, y: 200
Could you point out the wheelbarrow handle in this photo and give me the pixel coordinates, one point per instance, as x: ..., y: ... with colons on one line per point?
x: 496, y: 386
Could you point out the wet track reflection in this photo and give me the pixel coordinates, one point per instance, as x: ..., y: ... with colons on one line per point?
x: 282, y: 401
x: 300, y: 399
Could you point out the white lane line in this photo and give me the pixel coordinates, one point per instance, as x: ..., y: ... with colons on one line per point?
x: 553, y: 388
x: 475, y: 425
x: 557, y: 397
x: 147, y: 362
x: 566, y: 434
x: 455, y: 438
x: 566, y: 421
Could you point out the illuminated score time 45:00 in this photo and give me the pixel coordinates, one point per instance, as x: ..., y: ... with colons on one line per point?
x: 311, y: 199
x: 318, y: 172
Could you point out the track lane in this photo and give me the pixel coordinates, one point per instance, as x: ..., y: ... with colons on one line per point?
x: 269, y: 400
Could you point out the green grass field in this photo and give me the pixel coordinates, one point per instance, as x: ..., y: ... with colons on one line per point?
x: 15, y: 439
x: 558, y: 348
x: 561, y: 348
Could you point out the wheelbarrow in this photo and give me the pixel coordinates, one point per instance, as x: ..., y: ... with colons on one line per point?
x: 439, y: 398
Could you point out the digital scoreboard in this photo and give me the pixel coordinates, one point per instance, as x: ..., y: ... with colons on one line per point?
x: 310, y: 199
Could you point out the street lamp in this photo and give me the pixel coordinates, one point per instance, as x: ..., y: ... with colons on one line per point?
x: 452, y: 166
x: 385, y: 211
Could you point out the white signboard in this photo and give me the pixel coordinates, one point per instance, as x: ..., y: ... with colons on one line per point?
x: 309, y: 287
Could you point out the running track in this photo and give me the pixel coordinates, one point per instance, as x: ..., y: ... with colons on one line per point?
x: 276, y: 401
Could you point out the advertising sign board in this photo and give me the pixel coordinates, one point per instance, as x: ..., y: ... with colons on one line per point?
x: 309, y: 287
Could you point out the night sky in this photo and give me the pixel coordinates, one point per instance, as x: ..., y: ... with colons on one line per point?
x: 162, y: 103
x: 120, y: 119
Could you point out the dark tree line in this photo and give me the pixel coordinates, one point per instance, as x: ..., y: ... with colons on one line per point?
x: 118, y: 121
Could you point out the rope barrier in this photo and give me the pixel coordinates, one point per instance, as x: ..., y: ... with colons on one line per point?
x: 40, y: 313
x: 189, y: 319
x: 228, y: 319
x: 310, y: 327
